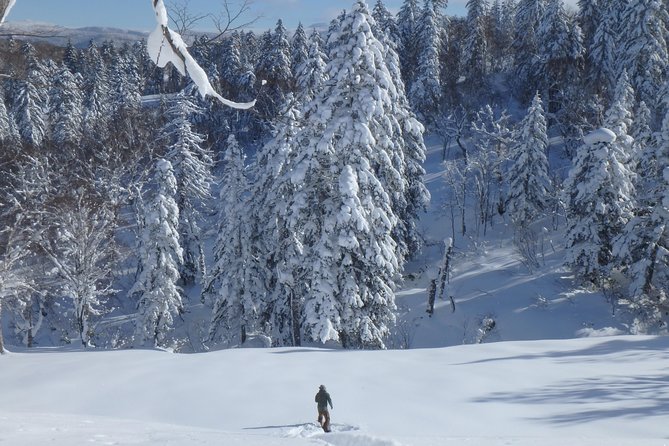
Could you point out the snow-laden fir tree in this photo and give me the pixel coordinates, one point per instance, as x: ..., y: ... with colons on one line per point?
x: 589, y: 15
x: 97, y: 102
x: 425, y: 87
x: 66, y: 109
x: 644, y: 149
x: 231, y: 283
x: 273, y: 189
x: 231, y: 64
x: 642, y: 250
x: 560, y: 55
x: 605, y: 50
x: 192, y: 163
x: 386, y: 23
x: 474, y: 62
x: 124, y: 85
x: 645, y: 54
x: 618, y: 117
x: 340, y: 208
x: 274, y: 67
x: 9, y: 132
x: 529, y: 183
x: 600, y: 192
x: 299, y: 51
x: 161, y: 257
x: 501, y: 16
x: 407, y: 19
x: 525, y: 44
x: 407, y: 148
x: 598, y: 196
x: 30, y: 100
x: 311, y: 73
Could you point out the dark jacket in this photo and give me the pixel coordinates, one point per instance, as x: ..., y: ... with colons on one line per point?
x: 323, y: 399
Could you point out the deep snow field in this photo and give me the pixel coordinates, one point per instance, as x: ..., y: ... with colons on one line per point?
x: 596, y: 391
x: 555, y: 371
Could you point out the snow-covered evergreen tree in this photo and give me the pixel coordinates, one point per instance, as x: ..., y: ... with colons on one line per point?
x: 299, y: 51
x: 124, y: 85
x: 273, y: 189
x: 386, y: 23
x: 310, y: 74
x: 474, y: 63
x: 604, y: 49
x: 9, y: 132
x: 274, y: 67
x: 598, y: 196
x: 231, y: 284
x: 529, y: 183
x: 97, y: 104
x: 560, y: 55
x: 161, y: 257
x: 642, y: 249
x: 525, y: 43
x: 645, y: 54
x: 407, y: 19
x: 425, y: 88
x: 589, y: 15
x: 66, y: 108
x: 30, y: 101
x: 192, y: 163
x: 600, y: 192
x: 341, y: 209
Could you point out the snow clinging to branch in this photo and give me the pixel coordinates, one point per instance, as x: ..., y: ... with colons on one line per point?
x: 5, y: 7
x: 166, y: 46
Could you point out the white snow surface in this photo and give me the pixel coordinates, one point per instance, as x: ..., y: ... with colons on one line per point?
x: 591, y: 391
x: 600, y: 135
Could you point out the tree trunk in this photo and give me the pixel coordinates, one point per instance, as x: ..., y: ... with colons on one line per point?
x: 2, y: 344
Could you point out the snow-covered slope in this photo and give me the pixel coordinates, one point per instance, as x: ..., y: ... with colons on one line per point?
x: 604, y: 391
x: 490, y: 281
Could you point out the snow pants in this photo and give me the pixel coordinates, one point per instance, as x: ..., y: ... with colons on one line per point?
x: 324, y: 419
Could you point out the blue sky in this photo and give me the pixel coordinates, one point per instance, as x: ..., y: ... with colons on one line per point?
x: 138, y: 15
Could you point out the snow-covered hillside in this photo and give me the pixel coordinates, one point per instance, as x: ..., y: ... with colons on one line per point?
x: 604, y: 391
x: 490, y: 281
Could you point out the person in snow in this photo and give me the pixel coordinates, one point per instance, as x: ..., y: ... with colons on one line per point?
x: 322, y: 400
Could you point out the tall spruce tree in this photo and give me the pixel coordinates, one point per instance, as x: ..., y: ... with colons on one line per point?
x: 30, y: 101
x: 231, y: 283
x: 560, y: 55
x: 642, y: 248
x: 161, y: 256
x: 474, y: 63
x: 192, y: 163
x: 525, y: 44
x: 425, y: 89
x: 407, y: 19
x: 340, y: 207
x: 311, y: 73
x: 66, y: 108
x: 645, y: 53
x: 598, y: 198
x: 529, y: 183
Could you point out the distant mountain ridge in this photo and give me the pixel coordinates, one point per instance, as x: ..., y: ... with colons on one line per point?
x: 60, y: 35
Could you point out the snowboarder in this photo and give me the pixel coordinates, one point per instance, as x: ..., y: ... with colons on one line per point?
x: 323, y: 399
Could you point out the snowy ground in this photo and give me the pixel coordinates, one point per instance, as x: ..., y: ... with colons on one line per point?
x: 595, y: 391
